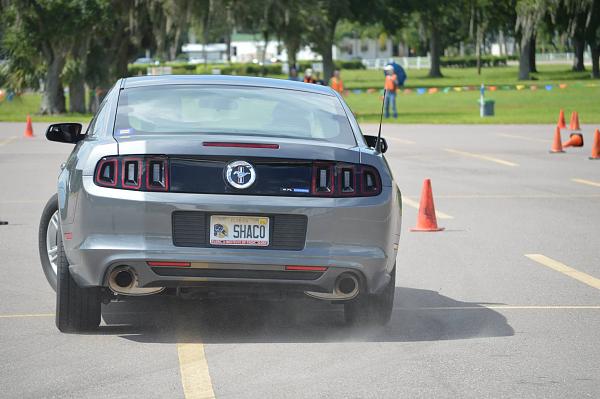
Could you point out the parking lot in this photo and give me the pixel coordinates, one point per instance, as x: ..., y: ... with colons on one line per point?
x: 504, y: 303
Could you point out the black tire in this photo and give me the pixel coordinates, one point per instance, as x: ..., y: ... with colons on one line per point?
x: 77, y: 308
x: 367, y: 309
x: 49, y: 210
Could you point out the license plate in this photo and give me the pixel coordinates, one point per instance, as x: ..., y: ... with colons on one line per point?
x: 250, y: 231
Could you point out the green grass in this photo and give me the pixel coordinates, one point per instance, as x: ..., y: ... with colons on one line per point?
x: 512, y: 106
x: 525, y: 106
x: 29, y: 104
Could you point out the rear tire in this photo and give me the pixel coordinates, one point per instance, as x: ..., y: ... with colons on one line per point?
x: 77, y: 308
x: 45, y: 239
x: 370, y: 309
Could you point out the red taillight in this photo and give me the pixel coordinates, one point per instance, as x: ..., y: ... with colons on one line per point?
x: 131, y: 173
x: 306, y: 268
x: 370, y: 181
x: 145, y: 173
x: 323, y: 179
x: 157, y: 174
x: 107, y: 172
x: 168, y: 264
x: 344, y: 180
x: 240, y: 145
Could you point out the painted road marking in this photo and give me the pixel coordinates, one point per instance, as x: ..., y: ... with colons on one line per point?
x: 415, y: 204
x: 508, y: 307
x: 588, y: 182
x: 7, y: 140
x: 195, y: 377
x: 516, y: 136
x: 19, y: 316
x: 481, y: 156
x: 516, y: 196
x: 569, y: 271
x: 399, y: 140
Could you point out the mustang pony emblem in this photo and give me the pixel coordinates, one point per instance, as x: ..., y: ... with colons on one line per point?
x: 240, y: 174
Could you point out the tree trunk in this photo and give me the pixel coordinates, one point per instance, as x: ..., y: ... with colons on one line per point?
x: 77, y: 95
x: 435, y: 52
x: 53, y: 97
x: 328, y: 66
x: 478, y: 43
x: 579, y: 45
x: 292, y: 45
x: 532, y: 64
x: 525, y: 59
x: 595, y: 61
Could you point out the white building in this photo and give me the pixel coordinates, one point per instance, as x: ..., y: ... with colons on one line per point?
x: 249, y: 48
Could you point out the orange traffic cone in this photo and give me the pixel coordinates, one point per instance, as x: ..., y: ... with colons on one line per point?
x: 574, y: 125
x: 596, y: 145
x: 426, y: 220
x: 556, y: 144
x: 575, y: 140
x: 561, y: 120
x: 28, y: 128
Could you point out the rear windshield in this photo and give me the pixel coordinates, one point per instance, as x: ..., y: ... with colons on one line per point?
x: 232, y: 110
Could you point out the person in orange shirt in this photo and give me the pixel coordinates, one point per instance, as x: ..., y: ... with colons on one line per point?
x: 308, y: 78
x: 336, y: 82
x: 390, y: 86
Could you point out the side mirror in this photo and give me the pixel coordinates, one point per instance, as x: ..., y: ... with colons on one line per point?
x: 65, y: 132
x: 372, y: 142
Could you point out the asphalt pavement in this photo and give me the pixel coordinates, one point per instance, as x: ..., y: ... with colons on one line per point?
x: 504, y: 303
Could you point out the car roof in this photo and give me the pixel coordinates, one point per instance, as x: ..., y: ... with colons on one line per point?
x: 143, y: 81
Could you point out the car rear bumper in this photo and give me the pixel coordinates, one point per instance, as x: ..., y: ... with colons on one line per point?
x: 115, y: 227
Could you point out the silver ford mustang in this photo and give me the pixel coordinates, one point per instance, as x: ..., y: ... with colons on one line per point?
x: 217, y: 186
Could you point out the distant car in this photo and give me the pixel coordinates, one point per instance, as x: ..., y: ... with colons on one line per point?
x: 217, y: 186
x: 145, y: 60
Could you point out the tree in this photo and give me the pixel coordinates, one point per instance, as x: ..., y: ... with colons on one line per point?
x: 593, y: 38
x: 321, y: 24
x: 529, y: 15
x: 48, y: 30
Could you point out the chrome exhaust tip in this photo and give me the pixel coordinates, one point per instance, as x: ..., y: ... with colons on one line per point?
x: 346, y: 287
x: 124, y: 281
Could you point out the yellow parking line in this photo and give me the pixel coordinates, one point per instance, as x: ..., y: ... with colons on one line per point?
x: 399, y: 140
x: 415, y: 204
x: 7, y: 140
x: 516, y: 136
x: 515, y: 196
x: 195, y: 377
x: 508, y: 307
x: 569, y: 271
x: 23, y: 315
x: 588, y: 182
x: 481, y: 156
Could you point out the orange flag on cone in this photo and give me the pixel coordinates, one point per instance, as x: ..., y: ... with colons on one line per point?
x: 28, y: 128
x: 596, y: 145
x: 426, y: 220
x: 561, y: 120
x: 556, y: 143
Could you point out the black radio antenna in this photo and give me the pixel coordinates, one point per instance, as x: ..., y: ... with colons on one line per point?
x: 378, y: 144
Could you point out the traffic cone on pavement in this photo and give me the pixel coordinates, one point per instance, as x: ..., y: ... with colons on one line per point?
x: 574, y: 125
x: 557, y: 143
x: 28, y: 128
x: 426, y: 220
x: 596, y: 145
x: 575, y: 140
x: 561, y: 120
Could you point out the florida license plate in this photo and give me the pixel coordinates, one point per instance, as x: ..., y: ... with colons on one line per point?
x: 250, y: 231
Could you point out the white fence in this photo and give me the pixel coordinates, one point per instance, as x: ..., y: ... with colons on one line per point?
x: 424, y: 62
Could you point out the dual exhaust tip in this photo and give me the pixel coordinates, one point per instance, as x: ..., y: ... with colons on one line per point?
x: 124, y: 281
